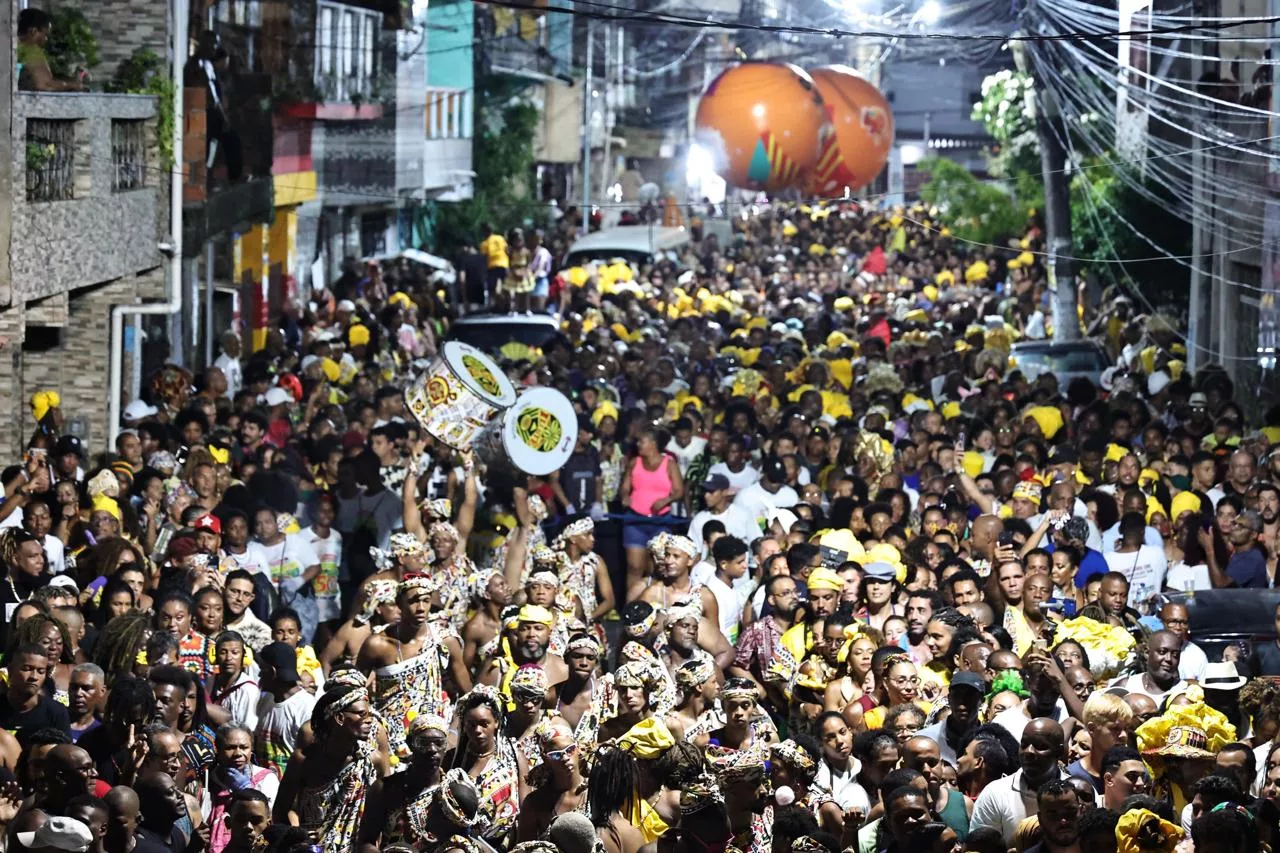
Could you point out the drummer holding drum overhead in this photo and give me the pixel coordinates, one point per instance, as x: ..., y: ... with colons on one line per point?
x: 651, y: 485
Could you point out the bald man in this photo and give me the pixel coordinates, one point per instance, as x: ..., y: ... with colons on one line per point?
x: 69, y: 772
x: 984, y: 535
x: 1177, y: 620
x: 1005, y: 803
x: 1161, y: 678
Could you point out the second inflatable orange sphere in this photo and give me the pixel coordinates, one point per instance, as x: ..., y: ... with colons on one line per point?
x: 763, y: 123
x: 862, y: 126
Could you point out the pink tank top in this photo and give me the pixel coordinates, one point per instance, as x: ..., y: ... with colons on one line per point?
x: 649, y: 487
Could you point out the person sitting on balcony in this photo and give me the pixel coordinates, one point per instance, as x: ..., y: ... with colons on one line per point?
x: 34, y: 74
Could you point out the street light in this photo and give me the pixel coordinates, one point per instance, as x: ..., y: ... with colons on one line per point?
x: 930, y: 12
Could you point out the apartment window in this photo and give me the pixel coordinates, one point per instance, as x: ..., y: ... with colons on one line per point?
x: 346, y: 51
x: 51, y: 154
x: 128, y: 154
x: 448, y: 114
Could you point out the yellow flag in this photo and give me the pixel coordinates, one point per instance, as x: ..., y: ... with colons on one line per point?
x: 898, y: 242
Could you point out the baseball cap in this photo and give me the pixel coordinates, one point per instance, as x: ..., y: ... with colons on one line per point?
x: 60, y: 833
x: 1198, y: 401
x: 879, y: 571
x: 208, y: 521
x: 276, y: 396
x: 283, y: 659
x: 139, y: 409
x: 715, y: 483
x: 69, y: 444
x: 774, y: 471
x: 969, y: 679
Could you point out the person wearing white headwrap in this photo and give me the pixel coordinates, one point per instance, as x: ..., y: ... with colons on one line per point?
x: 673, y: 585
x: 587, y: 577
x: 490, y: 593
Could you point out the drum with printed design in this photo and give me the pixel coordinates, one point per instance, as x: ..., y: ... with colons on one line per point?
x: 535, y: 436
x: 459, y: 394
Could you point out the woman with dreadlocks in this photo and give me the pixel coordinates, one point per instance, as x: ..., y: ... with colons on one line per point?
x: 611, y: 795
x: 325, y: 786
x: 123, y: 638
x: 491, y: 759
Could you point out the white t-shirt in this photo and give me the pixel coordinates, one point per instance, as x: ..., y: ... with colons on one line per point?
x: 56, y: 552
x: 1182, y: 577
x: 326, y: 583
x: 1145, y: 570
x: 758, y: 502
x: 230, y: 368
x: 730, y: 601
x: 1134, y: 684
x: 1192, y: 663
x: 254, y: 559
x: 278, y: 727
x: 685, y: 455
x: 1111, y: 538
x: 287, y: 560
x: 737, y: 522
x: 739, y: 481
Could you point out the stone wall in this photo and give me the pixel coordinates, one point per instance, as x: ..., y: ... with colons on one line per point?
x: 122, y: 27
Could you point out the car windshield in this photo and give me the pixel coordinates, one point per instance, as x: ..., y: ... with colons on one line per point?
x: 490, y: 337
x: 1072, y: 360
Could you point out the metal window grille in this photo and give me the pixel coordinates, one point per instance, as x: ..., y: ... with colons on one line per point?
x: 128, y: 155
x: 51, y: 145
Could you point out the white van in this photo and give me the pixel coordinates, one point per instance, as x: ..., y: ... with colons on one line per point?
x: 637, y: 244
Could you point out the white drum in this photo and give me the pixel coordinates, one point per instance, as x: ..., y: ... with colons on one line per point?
x: 461, y: 391
x: 535, y: 436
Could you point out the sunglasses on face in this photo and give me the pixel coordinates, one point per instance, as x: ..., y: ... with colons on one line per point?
x: 561, y: 754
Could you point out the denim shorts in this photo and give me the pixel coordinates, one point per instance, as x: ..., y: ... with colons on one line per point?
x: 637, y: 535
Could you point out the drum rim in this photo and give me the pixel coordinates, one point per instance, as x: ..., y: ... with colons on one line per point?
x: 453, y: 351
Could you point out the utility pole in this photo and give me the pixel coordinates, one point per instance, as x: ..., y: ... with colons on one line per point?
x: 586, y: 129
x: 1050, y: 132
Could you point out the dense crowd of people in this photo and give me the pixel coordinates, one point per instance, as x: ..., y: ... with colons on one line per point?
x: 827, y: 570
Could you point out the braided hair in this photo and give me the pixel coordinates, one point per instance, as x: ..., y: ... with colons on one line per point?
x: 121, y: 640
x: 611, y: 786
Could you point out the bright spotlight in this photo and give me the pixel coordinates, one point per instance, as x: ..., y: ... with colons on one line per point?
x: 930, y: 12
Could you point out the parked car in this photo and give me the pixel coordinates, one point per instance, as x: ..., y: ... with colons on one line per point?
x: 636, y: 244
x: 489, y: 332
x: 1064, y: 360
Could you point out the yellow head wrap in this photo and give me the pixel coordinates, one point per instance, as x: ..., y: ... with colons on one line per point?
x: 1049, y: 418
x: 1115, y: 453
x: 951, y: 410
x: 647, y: 739
x: 1157, y: 835
x: 930, y: 292
x: 973, y: 463
x: 42, y: 402
x: 220, y: 455
x: 536, y: 613
x: 108, y: 505
x: 1154, y: 506
x: 1184, y: 502
x: 824, y: 578
x: 330, y: 369
x: 604, y: 409
x: 358, y: 336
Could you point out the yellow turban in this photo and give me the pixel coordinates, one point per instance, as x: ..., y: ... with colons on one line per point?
x: 758, y: 323
x: 42, y: 402
x: 1148, y: 476
x: 840, y: 541
x: 973, y: 463
x: 108, y: 505
x: 536, y: 613
x: 977, y: 271
x: 824, y: 578
x: 1175, y: 367
x: 1184, y: 502
x: 951, y: 410
x: 837, y: 339
x: 401, y: 299
x: 1115, y: 453
x: 1026, y: 259
x: 647, y: 739
x: 220, y: 455
x: 843, y: 303
x: 604, y: 409
x: 1140, y: 822
x: 946, y: 277
x: 358, y: 336
x: 841, y: 371
x: 330, y: 369
x: 930, y: 292
x: 1049, y: 419
x: 1154, y: 506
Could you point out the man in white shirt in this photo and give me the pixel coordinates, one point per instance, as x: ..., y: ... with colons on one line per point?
x: 720, y: 506
x: 1177, y: 621
x: 229, y: 364
x: 1144, y: 566
x: 1006, y: 802
x: 771, y: 493
x: 684, y: 445
x: 1164, y: 653
x: 735, y: 468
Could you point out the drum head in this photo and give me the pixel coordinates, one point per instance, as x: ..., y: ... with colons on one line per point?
x: 479, y: 374
x: 539, y: 431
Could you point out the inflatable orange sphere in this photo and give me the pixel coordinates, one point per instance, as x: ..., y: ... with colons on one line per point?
x: 764, y: 125
x: 862, y: 131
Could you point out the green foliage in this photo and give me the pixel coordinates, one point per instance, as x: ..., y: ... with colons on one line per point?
x: 976, y: 210
x: 503, y: 160
x: 39, y: 155
x: 1101, y: 201
x: 72, y: 43
x: 146, y: 73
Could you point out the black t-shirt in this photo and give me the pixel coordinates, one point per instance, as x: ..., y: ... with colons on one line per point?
x: 149, y: 841
x: 97, y: 742
x: 1265, y: 660
x: 46, y: 714
x: 578, y: 478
